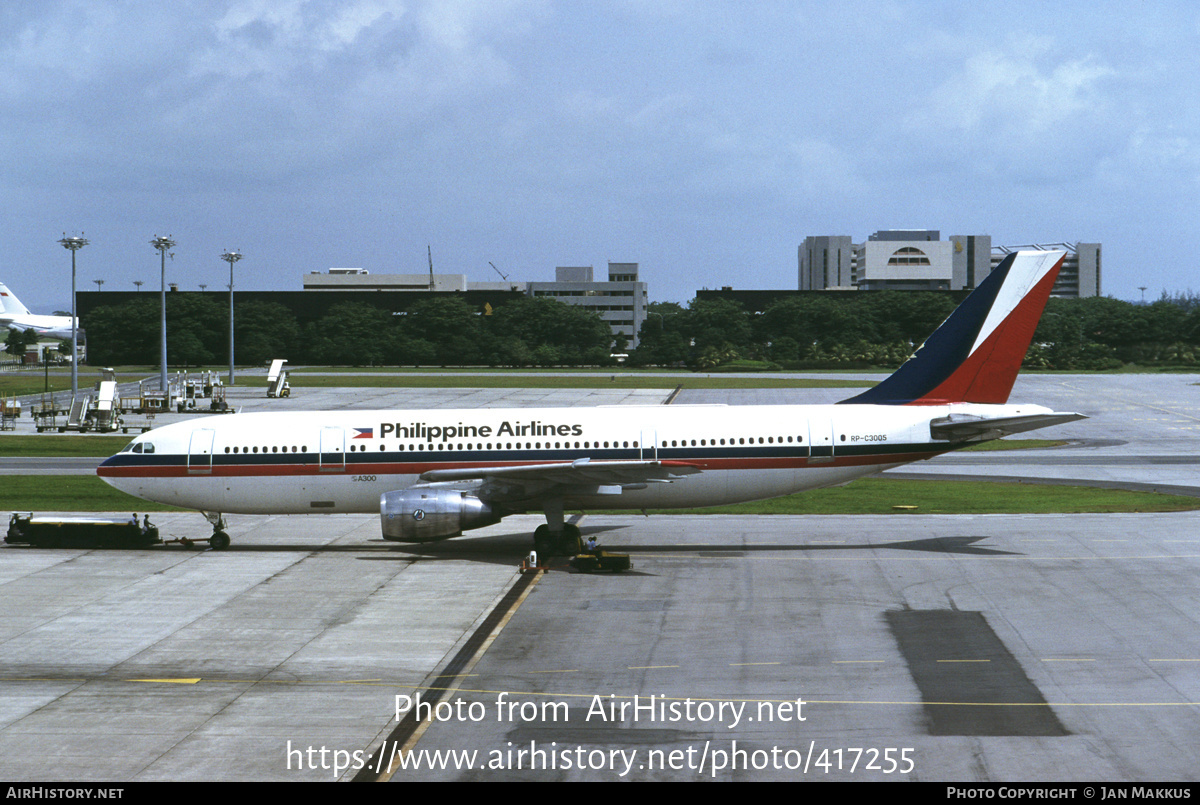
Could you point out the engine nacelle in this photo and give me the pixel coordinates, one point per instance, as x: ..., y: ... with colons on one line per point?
x: 425, y: 515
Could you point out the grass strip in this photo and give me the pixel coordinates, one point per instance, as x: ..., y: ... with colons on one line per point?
x: 51, y: 445
x: 881, y: 495
x: 69, y: 493
x: 1015, y: 444
x: 556, y: 381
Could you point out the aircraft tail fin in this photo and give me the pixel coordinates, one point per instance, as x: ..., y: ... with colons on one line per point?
x: 975, y: 354
x: 9, y: 302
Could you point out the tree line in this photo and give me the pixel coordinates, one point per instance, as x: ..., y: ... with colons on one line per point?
x: 434, y: 332
x: 810, y: 331
x: 881, y: 329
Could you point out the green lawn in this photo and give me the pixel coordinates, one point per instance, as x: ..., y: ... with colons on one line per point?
x: 1015, y: 444
x: 618, y: 380
x: 54, y: 444
x: 69, y: 493
x: 882, y: 495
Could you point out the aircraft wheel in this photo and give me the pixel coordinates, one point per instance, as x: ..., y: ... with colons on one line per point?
x: 541, y: 540
x: 219, y: 541
x: 571, y: 539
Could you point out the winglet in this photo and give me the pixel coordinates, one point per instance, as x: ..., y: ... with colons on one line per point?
x: 975, y: 354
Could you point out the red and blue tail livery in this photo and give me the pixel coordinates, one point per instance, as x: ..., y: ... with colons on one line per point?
x: 974, y: 356
x: 433, y: 474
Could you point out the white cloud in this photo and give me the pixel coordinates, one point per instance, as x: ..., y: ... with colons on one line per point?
x: 1013, y: 90
x: 1021, y: 111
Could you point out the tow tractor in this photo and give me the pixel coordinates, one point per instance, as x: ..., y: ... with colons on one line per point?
x: 81, y: 532
x: 90, y: 531
x: 600, y: 560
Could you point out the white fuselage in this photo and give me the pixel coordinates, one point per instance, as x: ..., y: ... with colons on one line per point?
x: 326, y: 462
x: 54, y: 327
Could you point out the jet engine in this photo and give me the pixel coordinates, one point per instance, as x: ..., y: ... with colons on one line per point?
x: 428, y: 514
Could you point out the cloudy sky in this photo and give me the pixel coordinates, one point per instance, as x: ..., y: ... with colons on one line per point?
x: 701, y: 139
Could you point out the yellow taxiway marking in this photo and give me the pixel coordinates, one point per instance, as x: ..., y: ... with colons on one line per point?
x: 561, y: 671
x: 1068, y: 659
x: 964, y: 660
x: 952, y: 558
x: 191, y: 681
x: 1176, y: 659
x: 740, y: 664
x: 854, y: 662
x: 648, y: 667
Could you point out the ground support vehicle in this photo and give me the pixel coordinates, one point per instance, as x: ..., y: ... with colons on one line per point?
x: 24, y: 528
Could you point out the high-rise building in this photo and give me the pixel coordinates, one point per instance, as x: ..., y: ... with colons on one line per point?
x: 826, y: 261
x: 620, y: 302
x: 904, y: 260
x: 918, y: 260
x: 1080, y: 273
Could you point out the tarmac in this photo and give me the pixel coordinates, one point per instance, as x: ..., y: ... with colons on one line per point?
x: 947, y: 648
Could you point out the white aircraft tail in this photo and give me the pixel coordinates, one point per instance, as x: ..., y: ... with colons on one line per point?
x: 975, y: 354
x: 9, y: 303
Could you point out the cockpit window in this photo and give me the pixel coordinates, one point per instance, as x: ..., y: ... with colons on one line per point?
x: 147, y: 447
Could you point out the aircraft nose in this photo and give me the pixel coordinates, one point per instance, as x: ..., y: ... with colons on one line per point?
x: 107, y: 464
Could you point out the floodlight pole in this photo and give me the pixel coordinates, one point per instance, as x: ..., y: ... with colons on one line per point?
x: 74, y: 244
x: 231, y: 258
x: 163, y: 244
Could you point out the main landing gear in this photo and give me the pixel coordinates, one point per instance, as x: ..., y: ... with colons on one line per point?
x: 566, y: 542
x: 557, y: 536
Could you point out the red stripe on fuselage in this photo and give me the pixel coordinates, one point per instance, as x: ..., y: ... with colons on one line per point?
x: 311, y: 470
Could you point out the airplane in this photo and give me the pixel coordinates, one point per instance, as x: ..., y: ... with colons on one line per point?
x: 15, y: 316
x: 433, y: 474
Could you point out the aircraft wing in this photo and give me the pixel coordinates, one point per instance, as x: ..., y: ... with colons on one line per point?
x: 963, y: 427
x: 580, y: 477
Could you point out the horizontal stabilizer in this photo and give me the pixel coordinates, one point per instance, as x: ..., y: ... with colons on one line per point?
x: 965, y: 427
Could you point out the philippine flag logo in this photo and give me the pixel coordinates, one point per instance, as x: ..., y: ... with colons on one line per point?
x: 365, y: 433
